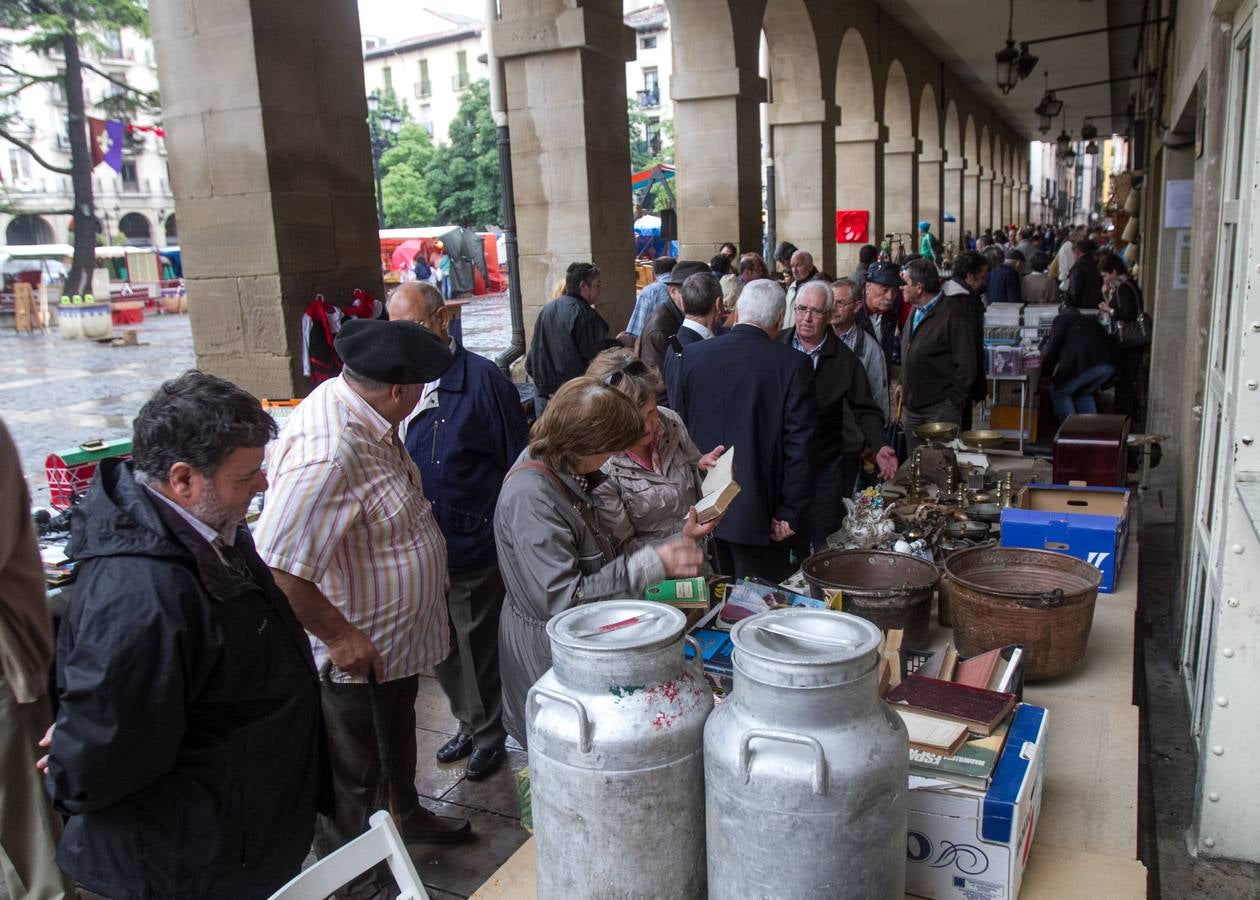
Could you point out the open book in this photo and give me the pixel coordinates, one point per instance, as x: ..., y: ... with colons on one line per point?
x: 718, y: 489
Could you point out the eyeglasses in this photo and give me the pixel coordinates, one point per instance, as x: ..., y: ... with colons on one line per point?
x: 636, y: 368
x: 808, y: 311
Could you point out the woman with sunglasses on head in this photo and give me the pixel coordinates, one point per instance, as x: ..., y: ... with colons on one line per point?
x: 553, y: 552
x: 651, y: 486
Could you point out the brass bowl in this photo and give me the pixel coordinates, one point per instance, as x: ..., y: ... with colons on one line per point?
x: 985, y: 439
x: 936, y: 431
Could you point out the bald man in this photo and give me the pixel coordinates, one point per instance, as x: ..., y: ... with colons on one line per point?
x: 464, y: 435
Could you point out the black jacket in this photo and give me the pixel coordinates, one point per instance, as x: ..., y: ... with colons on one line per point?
x: 886, y: 335
x: 569, y: 333
x: 188, y: 745
x: 671, y: 365
x: 1076, y: 343
x: 971, y: 306
x: 1084, y: 289
x: 746, y: 391
x: 841, y: 389
x: 938, y: 359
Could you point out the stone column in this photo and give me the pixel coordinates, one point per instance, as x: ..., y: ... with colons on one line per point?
x: 805, y: 175
x: 271, y: 172
x: 901, y: 186
x: 718, y: 148
x: 932, y: 188
x: 999, y: 201
x: 988, y: 217
x: 954, y: 175
x: 565, y: 84
x: 1025, y: 201
x: 860, y: 182
x: 972, y: 201
x: 1008, y: 199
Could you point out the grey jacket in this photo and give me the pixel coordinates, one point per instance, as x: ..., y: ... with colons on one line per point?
x: 550, y: 561
x: 877, y: 374
x: 637, y: 507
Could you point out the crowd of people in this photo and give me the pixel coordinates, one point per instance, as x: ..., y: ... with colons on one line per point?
x: 228, y: 698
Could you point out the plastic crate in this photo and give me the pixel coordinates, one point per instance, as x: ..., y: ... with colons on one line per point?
x: 70, y: 472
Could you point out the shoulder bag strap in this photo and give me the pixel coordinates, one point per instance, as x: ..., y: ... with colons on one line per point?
x: 580, y: 506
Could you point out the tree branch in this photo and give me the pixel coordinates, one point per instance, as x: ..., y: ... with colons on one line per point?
x: 60, y: 170
x: 10, y: 209
x: 117, y: 81
x: 17, y: 90
x: 33, y: 78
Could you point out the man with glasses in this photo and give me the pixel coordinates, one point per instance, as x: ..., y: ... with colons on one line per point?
x: 842, y: 394
x: 938, y: 359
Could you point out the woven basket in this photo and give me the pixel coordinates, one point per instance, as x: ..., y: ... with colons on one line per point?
x: 1042, y: 600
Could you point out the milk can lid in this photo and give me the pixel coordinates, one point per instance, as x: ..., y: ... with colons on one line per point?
x: 806, y: 637
x: 617, y: 625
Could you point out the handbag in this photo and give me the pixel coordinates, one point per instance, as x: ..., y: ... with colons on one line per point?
x: 1136, y: 334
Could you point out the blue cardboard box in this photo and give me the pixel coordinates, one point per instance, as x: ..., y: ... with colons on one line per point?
x: 1090, y: 523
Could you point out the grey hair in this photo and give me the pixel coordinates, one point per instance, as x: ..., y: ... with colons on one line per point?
x: 844, y: 283
x: 822, y: 289
x: 761, y: 303
x: 368, y: 384
x: 805, y: 254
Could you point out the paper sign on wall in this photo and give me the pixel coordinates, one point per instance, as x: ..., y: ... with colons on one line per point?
x: 1178, y: 203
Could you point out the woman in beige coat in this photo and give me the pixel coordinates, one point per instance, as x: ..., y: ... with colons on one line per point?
x: 651, y: 486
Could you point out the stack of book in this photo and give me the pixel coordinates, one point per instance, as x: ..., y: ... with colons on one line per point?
x: 957, y: 714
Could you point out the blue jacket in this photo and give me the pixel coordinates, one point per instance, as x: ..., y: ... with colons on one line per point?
x: 1002, y: 286
x: 464, y: 447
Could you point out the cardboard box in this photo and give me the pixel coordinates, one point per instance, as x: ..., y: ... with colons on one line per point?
x: 1006, y: 418
x: 970, y: 844
x: 1090, y: 523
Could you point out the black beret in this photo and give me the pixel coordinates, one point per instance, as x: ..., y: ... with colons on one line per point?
x: 884, y: 273
x: 684, y: 270
x: 392, y: 352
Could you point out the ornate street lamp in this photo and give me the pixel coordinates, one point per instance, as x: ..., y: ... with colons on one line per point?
x: 383, y: 130
x: 1007, y: 57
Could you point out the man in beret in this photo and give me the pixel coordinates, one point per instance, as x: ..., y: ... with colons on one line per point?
x: 352, y: 542
x: 668, y: 317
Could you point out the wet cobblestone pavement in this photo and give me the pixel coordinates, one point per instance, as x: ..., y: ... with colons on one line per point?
x: 55, y: 394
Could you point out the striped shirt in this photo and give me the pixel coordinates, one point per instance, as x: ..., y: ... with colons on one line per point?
x: 346, y: 511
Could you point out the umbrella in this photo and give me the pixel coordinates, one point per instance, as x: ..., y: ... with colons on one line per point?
x: 948, y: 217
x: 404, y: 255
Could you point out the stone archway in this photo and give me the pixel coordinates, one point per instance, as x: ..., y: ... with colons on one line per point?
x: 137, y: 229
x: 931, y: 161
x: 954, y: 171
x: 717, y: 96
x: 859, y: 145
x: 171, y: 229
x: 971, y: 192
x: 985, y: 204
x: 901, y: 174
x: 28, y: 229
x: 801, y: 115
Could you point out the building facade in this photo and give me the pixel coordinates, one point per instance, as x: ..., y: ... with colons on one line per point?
x: 135, y: 206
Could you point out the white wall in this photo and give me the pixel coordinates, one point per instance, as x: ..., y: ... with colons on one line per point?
x: 439, y: 108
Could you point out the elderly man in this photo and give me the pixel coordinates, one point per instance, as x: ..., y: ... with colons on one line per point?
x: 938, y: 357
x: 878, y: 315
x: 353, y: 543
x: 842, y: 394
x: 803, y: 271
x: 846, y: 301
x: 701, y: 294
x: 1003, y: 285
x: 569, y: 333
x: 464, y: 436
x: 28, y: 828
x: 965, y: 289
x: 651, y: 296
x: 668, y: 317
x: 745, y: 390
x: 187, y: 748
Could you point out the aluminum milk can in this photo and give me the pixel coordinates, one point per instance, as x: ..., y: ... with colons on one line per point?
x: 616, y: 756
x: 805, y: 767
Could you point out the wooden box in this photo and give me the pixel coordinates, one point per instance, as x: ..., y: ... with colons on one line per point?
x: 1092, y: 449
x: 1006, y: 419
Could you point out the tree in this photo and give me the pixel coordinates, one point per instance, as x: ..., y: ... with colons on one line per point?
x: 647, y: 149
x: 464, y: 174
x: 408, y: 203
x: 69, y: 26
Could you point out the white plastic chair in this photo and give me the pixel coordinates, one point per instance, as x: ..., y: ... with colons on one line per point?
x: 380, y: 843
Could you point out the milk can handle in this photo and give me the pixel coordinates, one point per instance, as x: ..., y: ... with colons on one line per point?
x: 787, y: 737
x: 584, y: 722
x: 698, y: 657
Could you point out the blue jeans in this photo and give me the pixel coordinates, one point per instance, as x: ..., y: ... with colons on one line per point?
x: 1077, y: 395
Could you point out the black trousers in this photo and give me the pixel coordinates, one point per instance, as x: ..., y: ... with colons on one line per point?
x: 355, y: 761
x: 772, y: 562
x: 469, y: 676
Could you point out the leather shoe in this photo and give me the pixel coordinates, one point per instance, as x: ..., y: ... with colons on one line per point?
x: 456, y: 748
x: 484, y: 762
x: 424, y: 827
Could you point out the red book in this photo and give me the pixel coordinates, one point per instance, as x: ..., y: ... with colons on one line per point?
x: 978, y: 671
x: 979, y: 709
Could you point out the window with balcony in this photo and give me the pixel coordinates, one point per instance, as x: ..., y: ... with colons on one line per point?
x: 424, y: 118
x: 425, y: 87
x: 650, y: 96
x: 112, y: 41
x: 647, y: 42
x: 130, y: 180
x: 387, y: 77
x: 460, y: 79
x: 19, y: 165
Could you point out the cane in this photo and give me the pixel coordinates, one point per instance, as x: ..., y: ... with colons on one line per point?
x: 386, y: 782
